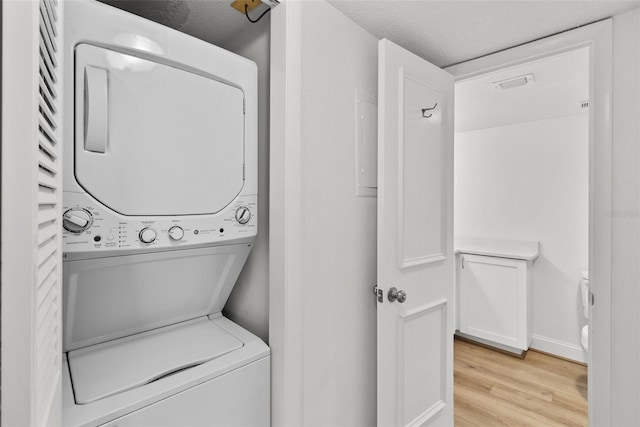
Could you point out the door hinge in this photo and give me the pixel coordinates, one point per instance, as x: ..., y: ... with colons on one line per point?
x: 378, y: 293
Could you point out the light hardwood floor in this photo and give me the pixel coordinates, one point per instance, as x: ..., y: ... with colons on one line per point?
x: 496, y: 389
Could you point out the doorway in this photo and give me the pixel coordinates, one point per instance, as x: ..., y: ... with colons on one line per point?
x: 521, y: 180
x: 595, y: 154
x: 287, y: 297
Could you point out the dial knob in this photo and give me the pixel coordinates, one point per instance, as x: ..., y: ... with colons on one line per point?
x: 77, y: 220
x: 243, y: 214
x: 148, y: 235
x: 176, y: 233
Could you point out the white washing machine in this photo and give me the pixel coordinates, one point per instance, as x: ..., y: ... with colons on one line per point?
x: 160, y: 195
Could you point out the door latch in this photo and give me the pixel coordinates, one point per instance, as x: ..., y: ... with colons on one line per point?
x: 378, y: 293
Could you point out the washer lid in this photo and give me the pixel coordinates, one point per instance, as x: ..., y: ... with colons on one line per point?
x: 116, y: 366
x: 155, y: 139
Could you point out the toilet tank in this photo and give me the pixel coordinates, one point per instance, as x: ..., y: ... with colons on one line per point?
x: 584, y: 290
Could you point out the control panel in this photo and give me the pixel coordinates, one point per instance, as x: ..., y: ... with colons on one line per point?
x: 91, y: 228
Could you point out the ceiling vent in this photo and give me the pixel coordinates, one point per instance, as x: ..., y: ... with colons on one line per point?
x: 514, y: 82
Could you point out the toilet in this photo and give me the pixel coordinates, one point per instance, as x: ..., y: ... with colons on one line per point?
x: 584, y: 288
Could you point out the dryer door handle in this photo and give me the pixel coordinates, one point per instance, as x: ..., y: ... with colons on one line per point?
x: 96, y: 109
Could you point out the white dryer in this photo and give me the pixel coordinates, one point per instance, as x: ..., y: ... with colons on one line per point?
x: 160, y: 195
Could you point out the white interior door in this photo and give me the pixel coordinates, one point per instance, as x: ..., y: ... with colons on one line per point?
x: 415, y: 238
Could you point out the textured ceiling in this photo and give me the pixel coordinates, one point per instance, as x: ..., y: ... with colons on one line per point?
x: 448, y: 32
x: 560, y: 84
x: 444, y: 32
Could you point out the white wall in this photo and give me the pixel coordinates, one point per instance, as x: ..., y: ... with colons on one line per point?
x: 625, y: 280
x: 340, y: 229
x: 248, y: 304
x: 323, y: 241
x: 530, y: 181
x: 625, y: 378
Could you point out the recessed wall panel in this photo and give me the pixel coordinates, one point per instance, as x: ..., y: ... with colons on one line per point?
x: 422, y: 208
x: 422, y: 341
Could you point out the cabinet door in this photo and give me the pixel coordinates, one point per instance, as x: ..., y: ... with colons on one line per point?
x: 493, y: 299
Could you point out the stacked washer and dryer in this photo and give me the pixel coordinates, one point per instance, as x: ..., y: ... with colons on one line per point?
x: 160, y: 195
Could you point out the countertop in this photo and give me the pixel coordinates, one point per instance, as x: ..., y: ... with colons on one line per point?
x: 514, y: 249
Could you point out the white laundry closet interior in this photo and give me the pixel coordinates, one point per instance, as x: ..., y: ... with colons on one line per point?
x: 160, y: 215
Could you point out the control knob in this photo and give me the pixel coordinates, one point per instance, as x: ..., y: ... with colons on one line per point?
x: 147, y: 235
x: 243, y: 214
x: 77, y: 220
x: 176, y: 232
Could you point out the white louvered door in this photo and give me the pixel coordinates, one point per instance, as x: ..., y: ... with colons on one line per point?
x: 31, y: 211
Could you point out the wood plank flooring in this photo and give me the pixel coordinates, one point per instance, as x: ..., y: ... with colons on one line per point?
x: 496, y: 389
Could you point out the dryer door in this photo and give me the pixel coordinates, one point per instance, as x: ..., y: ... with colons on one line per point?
x: 154, y: 139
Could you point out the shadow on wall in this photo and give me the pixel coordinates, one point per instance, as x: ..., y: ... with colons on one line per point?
x: 172, y: 13
x: 248, y: 304
x: 567, y: 321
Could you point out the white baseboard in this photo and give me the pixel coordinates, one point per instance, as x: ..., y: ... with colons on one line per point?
x: 516, y: 351
x: 559, y: 348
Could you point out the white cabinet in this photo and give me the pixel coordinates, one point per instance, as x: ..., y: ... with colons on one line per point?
x: 495, y: 300
x: 494, y: 292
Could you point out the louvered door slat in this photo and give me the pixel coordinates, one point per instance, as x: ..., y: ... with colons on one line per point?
x: 47, y: 179
x: 47, y: 336
x: 48, y: 309
x: 48, y: 90
x: 46, y: 161
x: 48, y: 82
x: 53, y: 14
x: 47, y: 359
x: 47, y: 231
x: 44, y: 67
x: 44, y: 334
x: 49, y: 23
x: 46, y: 268
x: 47, y: 166
x: 46, y: 364
x: 46, y: 99
x: 49, y: 48
x: 45, y: 145
x: 49, y: 63
x: 46, y: 250
x: 46, y: 112
x: 45, y: 287
x: 46, y: 130
x: 45, y: 25
x: 46, y: 214
x: 47, y: 196
x: 49, y: 56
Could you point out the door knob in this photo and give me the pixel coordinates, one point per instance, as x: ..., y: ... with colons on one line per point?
x: 396, y: 295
